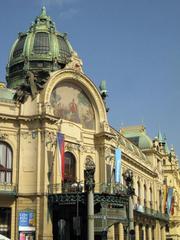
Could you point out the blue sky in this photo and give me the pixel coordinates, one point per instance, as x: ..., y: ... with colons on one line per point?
x: 132, y: 44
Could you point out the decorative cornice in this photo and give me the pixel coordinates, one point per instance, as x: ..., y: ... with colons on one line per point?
x: 139, y: 165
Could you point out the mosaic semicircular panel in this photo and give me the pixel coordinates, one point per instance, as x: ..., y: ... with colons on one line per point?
x: 70, y: 102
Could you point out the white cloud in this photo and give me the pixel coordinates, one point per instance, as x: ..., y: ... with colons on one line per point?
x: 67, y: 8
x: 58, y: 2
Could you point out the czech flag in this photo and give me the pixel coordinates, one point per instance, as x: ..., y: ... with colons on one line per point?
x: 60, y: 154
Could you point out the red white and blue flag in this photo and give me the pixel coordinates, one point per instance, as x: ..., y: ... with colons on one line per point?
x: 60, y: 154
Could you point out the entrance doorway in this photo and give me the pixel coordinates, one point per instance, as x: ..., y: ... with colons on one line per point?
x: 67, y: 225
x: 5, y: 222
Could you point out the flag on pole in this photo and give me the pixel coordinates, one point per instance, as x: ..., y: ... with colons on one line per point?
x: 172, y: 206
x: 60, y: 154
x: 165, y: 191
x: 169, y: 199
x: 117, y: 165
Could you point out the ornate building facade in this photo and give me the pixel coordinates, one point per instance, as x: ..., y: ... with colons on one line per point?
x: 48, y: 94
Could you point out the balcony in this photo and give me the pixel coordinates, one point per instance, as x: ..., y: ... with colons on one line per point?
x: 7, y: 189
x: 115, y: 194
x: 104, y: 188
x: 112, y: 188
x: 151, y: 213
x: 64, y: 188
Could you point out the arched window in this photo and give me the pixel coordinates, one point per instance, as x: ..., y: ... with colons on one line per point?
x: 70, y: 168
x: 145, y: 195
x: 19, y: 47
x: 41, y: 43
x: 160, y: 200
x: 5, y: 163
x: 138, y: 191
x: 151, y: 197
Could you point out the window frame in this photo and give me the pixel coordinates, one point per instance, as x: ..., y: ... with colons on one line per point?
x: 7, y: 162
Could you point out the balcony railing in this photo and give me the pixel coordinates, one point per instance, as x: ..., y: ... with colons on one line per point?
x: 7, y: 189
x: 67, y: 187
x: 112, y: 188
x: 151, y: 212
x: 105, y: 188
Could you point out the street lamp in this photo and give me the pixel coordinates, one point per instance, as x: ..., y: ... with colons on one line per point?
x: 89, y: 188
x: 128, y: 177
x: 77, y: 187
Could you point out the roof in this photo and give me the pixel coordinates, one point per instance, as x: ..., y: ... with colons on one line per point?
x: 6, y: 94
x: 42, y: 47
x: 138, y: 135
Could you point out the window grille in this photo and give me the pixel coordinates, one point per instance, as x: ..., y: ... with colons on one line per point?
x: 41, y: 43
x: 19, y: 47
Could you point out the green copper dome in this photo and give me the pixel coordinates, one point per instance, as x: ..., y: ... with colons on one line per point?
x: 40, y: 48
x: 138, y: 135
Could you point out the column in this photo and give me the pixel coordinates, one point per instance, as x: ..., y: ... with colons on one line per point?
x: 136, y: 232
x: 150, y: 233
x: 45, y: 230
x: 89, y: 187
x: 111, y: 233
x: 131, y: 216
x: 163, y: 233
x: 144, y: 232
x: 90, y: 215
x: 157, y: 231
x: 121, y: 231
x: 141, y: 192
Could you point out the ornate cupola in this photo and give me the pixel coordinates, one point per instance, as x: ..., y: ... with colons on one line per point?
x: 41, y: 48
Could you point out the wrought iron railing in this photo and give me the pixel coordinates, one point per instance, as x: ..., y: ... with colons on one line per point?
x: 151, y: 212
x: 54, y: 188
x: 7, y: 188
x: 112, y: 188
x: 69, y: 187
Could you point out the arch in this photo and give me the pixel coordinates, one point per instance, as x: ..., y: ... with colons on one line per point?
x: 79, y: 79
x: 71, y: 103
x: 6, y: 162
x: 69, y: 168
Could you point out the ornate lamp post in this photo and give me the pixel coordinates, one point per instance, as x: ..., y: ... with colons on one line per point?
x: 78, y: 187
x: 89, y: 187
x: 128, y: 177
